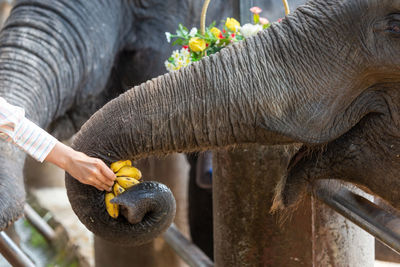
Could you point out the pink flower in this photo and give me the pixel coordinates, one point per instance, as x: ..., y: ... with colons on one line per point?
x: 280, y: 20
x: 264, y: 21
x: 255, y: 10
x: 233, y: 35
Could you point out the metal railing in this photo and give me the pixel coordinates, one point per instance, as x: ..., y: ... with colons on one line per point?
x: 12, y: 253
x: 188, y: 251
x: 372, y: 218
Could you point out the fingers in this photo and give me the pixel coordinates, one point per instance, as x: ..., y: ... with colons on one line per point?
x: 91, y: 171
x: 96, y: 184
x: 102, y: 177
x: 107, y: 173
x: 97, y: 181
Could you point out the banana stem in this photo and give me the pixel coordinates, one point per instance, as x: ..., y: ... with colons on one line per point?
x: 203, y: 17
x: 286, y: 5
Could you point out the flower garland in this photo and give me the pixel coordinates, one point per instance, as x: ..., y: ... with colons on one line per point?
x: 196, y: 45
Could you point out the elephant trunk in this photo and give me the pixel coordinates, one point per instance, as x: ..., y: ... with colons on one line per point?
x: 251, y: 91
x: 47, y: 62
x: 184, y: 111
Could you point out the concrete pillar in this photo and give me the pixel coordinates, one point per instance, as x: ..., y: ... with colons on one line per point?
x: 339, y: 242
x: 173, y: 172
x: 245, y: 234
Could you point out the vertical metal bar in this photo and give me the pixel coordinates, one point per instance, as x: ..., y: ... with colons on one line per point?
x: 245, y: 14
x: 39, y: 224
x: 14, y: 255
x: 191, y: 254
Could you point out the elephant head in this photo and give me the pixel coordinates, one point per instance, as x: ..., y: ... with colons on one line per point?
x: 62, y: 60
x: 324, y: 77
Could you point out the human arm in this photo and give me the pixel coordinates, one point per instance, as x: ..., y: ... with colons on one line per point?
x: 86, y: 169
x: 17, y: 129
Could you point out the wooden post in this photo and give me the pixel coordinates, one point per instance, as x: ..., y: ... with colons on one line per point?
x: 245, y: 234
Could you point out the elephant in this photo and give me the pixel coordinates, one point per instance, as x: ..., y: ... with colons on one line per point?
x: 325, y: 77
x: 62, y: 60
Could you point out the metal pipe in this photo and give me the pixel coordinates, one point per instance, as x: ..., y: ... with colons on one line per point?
x: 364, y: 213
x: 13, y: 254
x: 39, y: 224
x: 189, y: 252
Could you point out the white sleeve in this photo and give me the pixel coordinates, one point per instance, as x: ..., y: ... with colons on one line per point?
x: 15, y: 128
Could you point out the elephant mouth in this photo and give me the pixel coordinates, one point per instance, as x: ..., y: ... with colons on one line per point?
x: 300, y: 154
x: 362, y: 156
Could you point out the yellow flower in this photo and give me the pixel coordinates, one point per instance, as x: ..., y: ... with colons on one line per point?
x: 216, y: 32
x: 232, y: 24
x: 197, y: 44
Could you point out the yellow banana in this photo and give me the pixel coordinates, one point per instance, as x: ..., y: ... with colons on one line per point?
x: 116, y: 166
x: 117, y: 189
x: 127, y: 182
x: 112, y: 209
x: 129, y: 171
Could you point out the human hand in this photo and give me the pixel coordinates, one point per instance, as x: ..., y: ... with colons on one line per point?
x: 87, y: 170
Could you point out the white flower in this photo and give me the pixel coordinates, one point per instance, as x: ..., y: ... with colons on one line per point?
x: 169, y: 66
x: 184, y: 52
x: 187, y: 61
x: 176, y: 55
x: 168, y: 36
x: 193, y: 32
x: 179, y: 63
x: 248, y: 29
x: 181, y: 58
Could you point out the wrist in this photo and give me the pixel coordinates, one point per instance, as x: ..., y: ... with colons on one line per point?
x: 61, y: 155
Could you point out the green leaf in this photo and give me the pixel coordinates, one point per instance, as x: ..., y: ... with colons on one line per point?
x: 213, y: 50
x: 182, y: 31
x: 180, y: 42
x: 211, y: 25
x: 266, y: 26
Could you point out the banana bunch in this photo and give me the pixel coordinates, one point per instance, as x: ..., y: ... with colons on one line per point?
x: 127, y: 176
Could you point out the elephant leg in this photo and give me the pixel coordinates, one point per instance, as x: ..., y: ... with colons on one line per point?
x: 172, y: 171
x: 200, y: 207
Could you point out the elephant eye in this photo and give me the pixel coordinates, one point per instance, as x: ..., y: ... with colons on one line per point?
x: 394, y: 27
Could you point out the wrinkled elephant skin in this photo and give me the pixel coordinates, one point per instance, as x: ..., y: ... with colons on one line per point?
x: 325, y: 76
x: 62, y: 60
